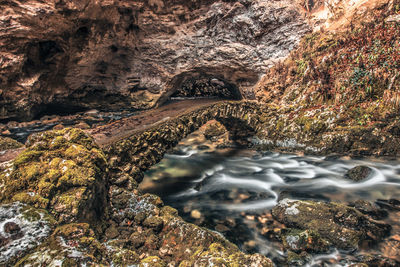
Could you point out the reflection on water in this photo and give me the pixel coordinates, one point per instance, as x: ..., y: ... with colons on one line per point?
x: 232, y: 191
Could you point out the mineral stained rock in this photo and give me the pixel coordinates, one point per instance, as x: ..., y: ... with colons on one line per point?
x: 60, y: 56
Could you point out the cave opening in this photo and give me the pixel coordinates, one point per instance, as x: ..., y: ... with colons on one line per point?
x: 58, y: 109
x: 206, y: 86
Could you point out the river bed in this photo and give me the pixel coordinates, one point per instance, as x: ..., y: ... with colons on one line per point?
x: 232, y: 191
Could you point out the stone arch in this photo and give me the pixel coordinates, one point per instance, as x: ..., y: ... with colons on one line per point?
x: 137, y: 153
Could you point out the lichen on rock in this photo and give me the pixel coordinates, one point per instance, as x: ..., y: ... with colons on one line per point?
x: 61, y: 171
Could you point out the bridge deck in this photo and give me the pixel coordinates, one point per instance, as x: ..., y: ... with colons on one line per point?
x: 110, y: 133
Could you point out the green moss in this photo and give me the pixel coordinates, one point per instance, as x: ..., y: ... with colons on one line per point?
x: 125, y: 257
x: 27, y: 156
x: 153, y: 261
x: 63, y: 171
x: 34, y: 200
x: 9, y: 143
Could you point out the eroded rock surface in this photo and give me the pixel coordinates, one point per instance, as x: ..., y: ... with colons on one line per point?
x: 68, y: 55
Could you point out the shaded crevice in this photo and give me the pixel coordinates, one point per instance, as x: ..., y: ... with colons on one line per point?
x: 202, y: 85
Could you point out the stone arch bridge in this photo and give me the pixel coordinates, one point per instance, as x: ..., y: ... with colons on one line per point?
x: 135, y: 154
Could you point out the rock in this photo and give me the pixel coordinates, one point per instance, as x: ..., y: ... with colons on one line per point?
x: 214, y: 130
x: 92, y: 112
x: 82, y: 125
x: 58, y: 127
x: 154, y: 222
x: 195, y: 214
x: 370, y: 209
x: 391, y: 204
x: 61, y: 171
x: 221, y: 228
x: 72, y: 244
x: 152, y: 261
x: 358, y: 173
x: 9, y: 143
x: 303, y: 240
x: 393, y: 19
x: 341, y: 225
x: 137, y: 239
x: 145, y: 51
x: 378, y: 260
x: 111, y: 232
x: 294, y: 259
x: 11, y: 228
x: 24, y: 229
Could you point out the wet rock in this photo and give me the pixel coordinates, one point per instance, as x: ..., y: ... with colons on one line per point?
x: 12, y: 228
x: 22, y: 229
x: 74, y: 244
x: 358, y: 173
x: 154, y: 222
x: 214, y: 130
x: 153, y: 261
x: 378, y: 260
x: 371, y: 209
x: 221, y: 228
x: 111, y: 232
x: 82, y: 125
x: 391, y: 204
x: 58, y: 127
x: 341, y: 225
x: 195, y: 214
x: 303, y: 240
x: 301, y: 259
x: 137, y: 239
x: 203, y: 147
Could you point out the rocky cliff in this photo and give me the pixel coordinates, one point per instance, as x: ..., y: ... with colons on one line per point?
x: 62, y: 56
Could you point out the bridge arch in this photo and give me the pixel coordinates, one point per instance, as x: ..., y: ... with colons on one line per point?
x: 137, y: 153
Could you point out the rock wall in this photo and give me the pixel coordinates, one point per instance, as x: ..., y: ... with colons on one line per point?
x: 62, y: 56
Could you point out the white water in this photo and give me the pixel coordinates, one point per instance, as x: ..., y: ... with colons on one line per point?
x: 213, y: 184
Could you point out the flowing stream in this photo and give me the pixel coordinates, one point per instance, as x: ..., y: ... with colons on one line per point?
x: 233, y: 190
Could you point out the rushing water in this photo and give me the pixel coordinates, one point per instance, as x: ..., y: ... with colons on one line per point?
x: 233, y: 191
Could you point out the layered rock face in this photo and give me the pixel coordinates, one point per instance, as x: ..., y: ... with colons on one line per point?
x: 61, y: 56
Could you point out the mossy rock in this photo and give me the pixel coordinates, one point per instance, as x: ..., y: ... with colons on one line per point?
x: 9, y: 143
x: 152, y: 261
x: 358, y: 173
x: 214, y: 130
x: 62, y: 171
x: 191, y: 245
x: 341, y: 225
x: 30, y: 228
x: 218, y: 255
x: 303, y: 240
x: 69, y: 245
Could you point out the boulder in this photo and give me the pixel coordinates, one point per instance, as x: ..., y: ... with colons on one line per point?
x: 61, y: 171
x: 359, y: 173
x: 343, y: 226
